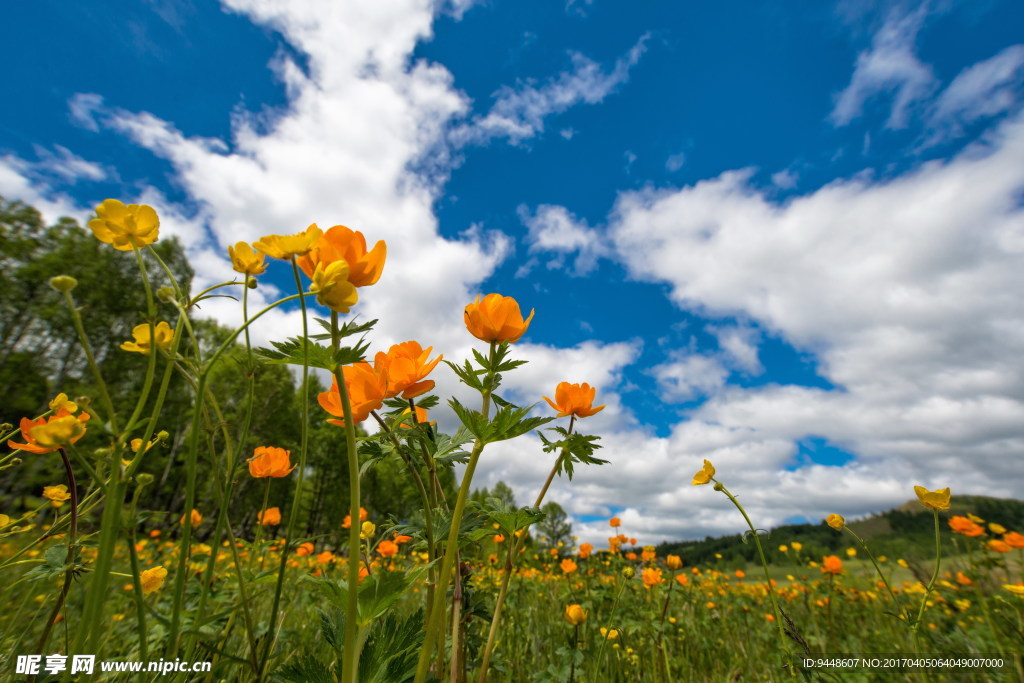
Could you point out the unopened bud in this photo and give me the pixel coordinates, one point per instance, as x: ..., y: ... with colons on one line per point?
x: 162, y: 435
x: 144, y: 479
x: 629, y: 572
x: 251, y: 282
x: 165, y: 294
x: 718, y: 486
x: 6, y: 427
x: 63, y: 283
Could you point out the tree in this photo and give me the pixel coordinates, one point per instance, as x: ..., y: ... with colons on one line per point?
x: 555, y: 527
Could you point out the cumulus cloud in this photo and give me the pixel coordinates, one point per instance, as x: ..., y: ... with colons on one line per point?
x: 890, y: 66
x: 553, y: 229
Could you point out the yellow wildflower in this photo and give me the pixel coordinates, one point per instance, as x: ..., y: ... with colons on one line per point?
x: 704, y: 475
x: 152, y: 579
x: 163, y: 335
x: 125, y: 227
x: 933, y: 500
x: 286, y: 246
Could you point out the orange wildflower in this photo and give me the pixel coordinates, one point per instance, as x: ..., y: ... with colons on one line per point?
x: 366, y: 388
x: 405, y: 366
x: 1014, y: 539
x: 574, y: 399
x: 340, y: 243
x: 269, y: 517
x: 387, y: 548
x: 585, y: 550
x: 615, y: 522
x: 682, y: 580
x: 674, y: 562
x: 498, y: 538
x: 965, y: 526
x: 325, y: 557
x: 997, y: 546
x: 268, y: 461
x: 400, y: 539
x: 496, y: 318
x: 348, y: 518
x: 648, y: 553
x: 196, y: 518
x: 575, y: 614
x: 568, y: 566
x: 651, y: 577
x: 830, y: 564
x: 304, y: 549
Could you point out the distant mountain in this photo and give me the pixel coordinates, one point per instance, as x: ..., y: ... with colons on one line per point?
x: 906, y: 531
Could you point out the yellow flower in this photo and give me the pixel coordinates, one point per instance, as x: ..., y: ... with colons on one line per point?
x: 993, y: 527
x: 152, y: 579
x: 246, y: 261
x: 142, y: 344
x: 851, y: 552
x: 933, y: 500
x: 286, y: 246
x: 837, y: 522
x: 903, y: 563
x: 797, y: 546
x: 367, y: 530
x: 61, y: 402
x: 58, y: 432
x: 56, y: 494
x: 609, y: 633
x: 4, y: 521
x: 704, y: 475
x: 332, y: 288
x: 125, y: 227
x: 1015, y: 589
x: 575, y: 614
x: 975, y: 518
x: 783, y: 549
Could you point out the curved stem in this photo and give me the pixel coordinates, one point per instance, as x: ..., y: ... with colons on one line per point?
x: 72, y: 540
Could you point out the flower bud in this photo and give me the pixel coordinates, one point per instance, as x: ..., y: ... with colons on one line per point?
x: 162, y: 435
x: 251, y: 283
x: 165, y: 294
x: 628, y: 572
x: 6, y: 427
x: 835, y: 521
x: 144, y: 479
x: 63, y: 283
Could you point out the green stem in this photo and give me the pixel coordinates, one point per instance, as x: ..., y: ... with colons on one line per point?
x: 350, y: 653
x: 72, y: 541
x: 435, y: 620
x: 931, y: 584
x: 140, y: 606
x: 293, y: 514
x: 764, y: 565
x: 611, y: 615
x: 903, y: 614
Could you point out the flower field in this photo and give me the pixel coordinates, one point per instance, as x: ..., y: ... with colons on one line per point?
x: 239, y: 566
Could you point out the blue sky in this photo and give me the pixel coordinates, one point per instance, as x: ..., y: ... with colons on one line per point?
x: 786, y: 237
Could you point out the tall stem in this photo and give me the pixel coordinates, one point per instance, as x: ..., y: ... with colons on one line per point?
x: 72, y: 540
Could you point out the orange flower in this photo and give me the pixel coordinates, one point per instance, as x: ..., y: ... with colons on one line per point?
x: 304, y: 549
x: 567, y: 565
x: 1014, y: 539
x: 585, y: 550
x: 344, y: 244
x: 740, y: 574
x: 682, y: 580
x: 325, y: 557
x: 496, y: 319
x: 615, y: 522
x: 674, y: 562
x: 348, y: 518
x: 966, y: 527
x: 499, y: 538
x: 32, y: 444
x: 575, y: 614
x: 269, y: 517
x: 399, y: 539
x: 387, y: 548
x: 366, y: 392
x: 648, y: 554
x: 995, y: 545
x: 196, y: 518
x: 631, y: 557
x: 405, y: 366
x: 574, y: 399
x: 830, y: 564
x: 651, y: 577
x: 268, y: 461
x: 963, y: 579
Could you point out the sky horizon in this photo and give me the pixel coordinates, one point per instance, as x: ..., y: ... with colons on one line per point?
x: 784, y: 238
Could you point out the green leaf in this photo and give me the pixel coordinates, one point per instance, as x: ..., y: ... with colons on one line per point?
x: 509, y: 518
x: 292, y: 352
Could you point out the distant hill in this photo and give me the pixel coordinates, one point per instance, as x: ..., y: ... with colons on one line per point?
x: 906, y: 531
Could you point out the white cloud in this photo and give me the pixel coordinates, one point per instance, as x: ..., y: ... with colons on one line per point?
x: 688, y: 376
x: 889, y: 66
x: 785, y: 179
x: 985, y: 89
x: 554, y: 229
x: 675, y: 162
x: 519, y: 112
